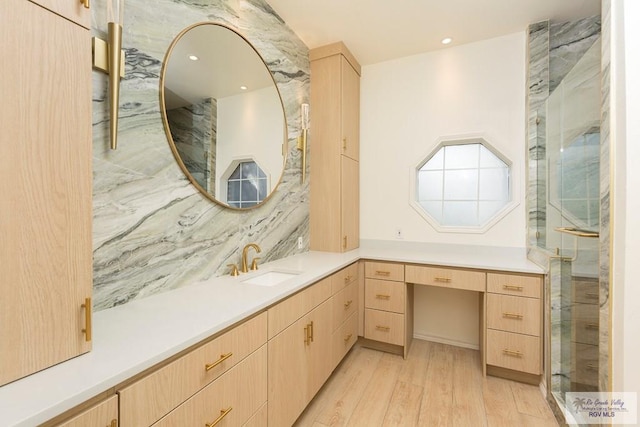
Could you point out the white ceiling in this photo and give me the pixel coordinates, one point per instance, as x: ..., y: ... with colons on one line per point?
x: 380, y: 30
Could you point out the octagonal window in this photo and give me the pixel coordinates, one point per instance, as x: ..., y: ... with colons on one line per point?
x: 463, y: 184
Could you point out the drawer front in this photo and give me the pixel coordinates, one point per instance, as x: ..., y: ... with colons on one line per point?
x: 385, y: 295
x: 285, y: 313
x: 235, y: 396
x: 141, y: 404
x: 104, y: 414
x: 584, y: 369
x: 384, y: 326
x: 344, y: 338
x: 446, y: 277
x: 344, y: 304
x: 585, y: 291
x: 585, y: 323
x: 514, y: 314
x: 514, y: 351
x: 514, y: 284
x: 384, y: 270
x: 344, y: 277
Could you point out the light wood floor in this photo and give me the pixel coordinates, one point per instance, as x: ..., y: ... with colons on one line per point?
x: 438, y: 385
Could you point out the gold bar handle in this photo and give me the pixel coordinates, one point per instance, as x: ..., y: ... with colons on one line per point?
x: 383, y: 273
x: 512, y: 315
x: 348, y: 337
x: 383, y: 328
x: 344, y: 242
x: 114, y: 423
x: 382, y: 296
x: 593, y: 326
x: 348, y: 304
x: 512, y: 353
x: 87, y: 319
x: 442, y: 279
x: 344, y: 144
x: 223, y: 413
x: 85, y: 3
x: 512, y: 288
x: 223, y: 357
x: 311, y: 329
x: 307, y: 337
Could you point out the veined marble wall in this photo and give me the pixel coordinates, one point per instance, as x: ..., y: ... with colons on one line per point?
x: 152, y: 230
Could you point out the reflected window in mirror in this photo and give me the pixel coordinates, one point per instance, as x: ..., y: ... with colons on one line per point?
x: 247, y: 185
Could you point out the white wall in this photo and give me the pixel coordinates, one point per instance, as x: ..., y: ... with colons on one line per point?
x: 625, y: 137
x: 406, y: 105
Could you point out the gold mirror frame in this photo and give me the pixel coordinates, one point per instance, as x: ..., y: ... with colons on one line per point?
x: 172, y: 145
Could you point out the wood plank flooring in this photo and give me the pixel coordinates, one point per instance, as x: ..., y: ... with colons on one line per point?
x: 438, y: 385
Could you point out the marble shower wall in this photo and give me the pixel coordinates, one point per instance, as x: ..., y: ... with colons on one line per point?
x: 152, y: 230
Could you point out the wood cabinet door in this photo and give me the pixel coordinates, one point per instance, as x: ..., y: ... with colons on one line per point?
x: 104, y: 414
x: 45, y: 188
x: 319, y: 358
x: 73, y: 10
x: 350, y: 202
x: 350, y: 109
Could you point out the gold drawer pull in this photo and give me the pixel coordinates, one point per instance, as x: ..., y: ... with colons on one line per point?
x: 223, y: 413
x: 223, y: 357
x: 344, y: 144
x: 593, y: 326
x: 442, y: 279
x: 114, y: 423
x: 382, y: 296
x: 592, y: 295
x: 591, y: 367
x: 348, y: 304
x: 344, y: 242
x: 512, y: 288
x: 87, y: 319
x: 383, y: 273
x: 347, y: 279
x: 311, y: 330
x: 383, y: 328
x: 512, y: 315
x: 307, y: 335
x: 512, y: 353
x: 348, y: 337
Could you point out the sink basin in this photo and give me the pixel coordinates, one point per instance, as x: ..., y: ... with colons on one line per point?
x: 270, y: 278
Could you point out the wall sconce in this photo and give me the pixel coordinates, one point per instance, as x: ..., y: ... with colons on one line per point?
x: 302, y: 139
x: 109, y: 58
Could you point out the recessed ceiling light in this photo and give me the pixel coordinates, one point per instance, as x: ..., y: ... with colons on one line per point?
x: 193, y: 57
x: 447, y: 40
x: 243, y: 87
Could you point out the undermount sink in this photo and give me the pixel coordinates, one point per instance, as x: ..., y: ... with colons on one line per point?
x: 270, y: 278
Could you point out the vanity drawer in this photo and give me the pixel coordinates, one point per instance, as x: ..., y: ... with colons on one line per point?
x: 285, y: 313
x: 104, y: 413
x: 585, y: 323
x: 514, y: 314
x: 239, y: 393
x: 514, y: 351
x: 514, y: 284
x: 446, y: 277
x: 384, y: 326
x: 344, y: 277
x: 344, y: 338
x: 384, y: 270
x: 585, y: 291
x: 147, y: 400
x: 344, y: 304
x: 385, y: 295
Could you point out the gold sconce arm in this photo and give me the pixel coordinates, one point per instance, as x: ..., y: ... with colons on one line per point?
x: 302, y: 139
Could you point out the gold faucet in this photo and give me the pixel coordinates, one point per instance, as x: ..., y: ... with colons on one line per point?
x: 244, y: 256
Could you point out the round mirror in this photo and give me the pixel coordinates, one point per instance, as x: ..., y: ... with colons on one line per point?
x: 223, y: 115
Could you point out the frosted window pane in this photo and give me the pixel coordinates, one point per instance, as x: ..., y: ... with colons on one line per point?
x: 430, y: 185
x: 461, y: 156
x: 488, y: 209
x: 490, y: 160
x: 461, y: 184
x: 434, y: 209
x: 460, y: 213
x: 494, y: 184
x: 436, y: 162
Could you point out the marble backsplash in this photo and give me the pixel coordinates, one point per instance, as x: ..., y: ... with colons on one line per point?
x: 153, y: 231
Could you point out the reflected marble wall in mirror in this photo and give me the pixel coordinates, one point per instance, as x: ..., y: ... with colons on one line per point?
x: 223, y: 115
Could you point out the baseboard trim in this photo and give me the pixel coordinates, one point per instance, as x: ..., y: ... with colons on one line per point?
x: 446, y: 341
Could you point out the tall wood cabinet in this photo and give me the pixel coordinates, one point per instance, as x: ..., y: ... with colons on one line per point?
x: 335, y: 149
x: 45, y: 184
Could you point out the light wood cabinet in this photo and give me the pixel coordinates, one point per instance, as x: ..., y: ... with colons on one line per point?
x: 103, y: 414
x: 73, y: 10
x: 45, y: 188
x: 334, y: 149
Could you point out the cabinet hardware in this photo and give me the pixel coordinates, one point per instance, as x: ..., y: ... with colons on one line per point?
x: 593, y: 326
x: 114, y: 423
x: 223, y: 413
x: 311, y: 329
x: 512, y: 315
x: 347, y: 304
x: 442, y: 279
x: 344, y: 144
x: 381, y: 296
x: 592, y: 295
x: 87, y: 319
x: 85, y: 3
x: 512, y: 353
x: 383, y: 273
x: 512, y: 288
x: 223, y: 357
x: 347, y: 279
x: 383, y: 328
x: 307, y: 337
x: 348, y: 337
x: 344, y: 242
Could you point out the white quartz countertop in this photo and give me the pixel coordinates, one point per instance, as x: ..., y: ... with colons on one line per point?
x: 133, y: 337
